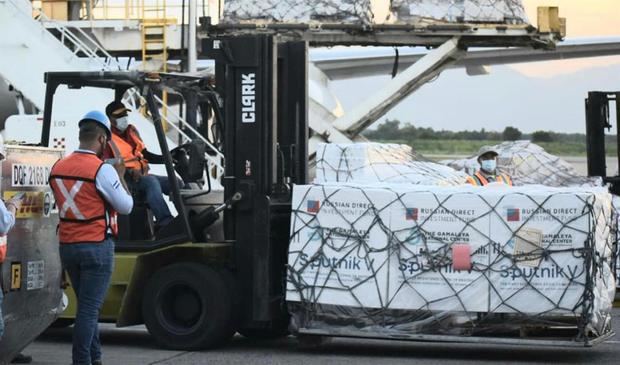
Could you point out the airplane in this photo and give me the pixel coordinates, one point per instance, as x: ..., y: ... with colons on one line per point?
x: 341, y: 63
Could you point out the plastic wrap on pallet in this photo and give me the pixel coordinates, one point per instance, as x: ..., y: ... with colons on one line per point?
x: 298, y: 11
x: 528, y: 163
x: 379, y: 163
x: 403, y: 260
x: 471, y: 11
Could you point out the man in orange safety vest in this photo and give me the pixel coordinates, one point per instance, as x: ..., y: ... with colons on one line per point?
x: 487, y: 158
x: 89, y: 194
x: 137, y: 158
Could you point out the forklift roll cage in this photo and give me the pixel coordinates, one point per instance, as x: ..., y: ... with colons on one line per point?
x: 147, y: 85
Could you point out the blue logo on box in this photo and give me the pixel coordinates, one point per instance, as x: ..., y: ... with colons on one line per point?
x: 411, y: 214
x: 513, y: 215
x: 313, y: 206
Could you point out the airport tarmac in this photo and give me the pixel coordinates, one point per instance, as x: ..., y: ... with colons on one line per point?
x: 133, y: 346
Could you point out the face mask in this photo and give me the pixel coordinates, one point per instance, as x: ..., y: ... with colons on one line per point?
x: 122, y: 123
x: 488, y: 165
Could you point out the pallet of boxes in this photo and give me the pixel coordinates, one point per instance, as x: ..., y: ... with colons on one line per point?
x: 380, y: 250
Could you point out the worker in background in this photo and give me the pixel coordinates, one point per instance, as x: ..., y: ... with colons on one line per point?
x: 133, y: 151
x: 89, y: 193
x: 487, y: 158
x: 8, y: 211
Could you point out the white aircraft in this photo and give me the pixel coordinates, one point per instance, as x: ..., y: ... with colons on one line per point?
x: 327, y: 65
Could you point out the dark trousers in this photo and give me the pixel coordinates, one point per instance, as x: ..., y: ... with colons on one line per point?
x: 89, y: 266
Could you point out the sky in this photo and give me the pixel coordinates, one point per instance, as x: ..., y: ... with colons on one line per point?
x: 533, y: 96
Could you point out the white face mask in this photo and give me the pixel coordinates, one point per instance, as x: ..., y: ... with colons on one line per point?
x: 122, y: 123
x: 488, y: 165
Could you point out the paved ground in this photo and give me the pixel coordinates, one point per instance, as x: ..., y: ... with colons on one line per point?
x: 133, y: 346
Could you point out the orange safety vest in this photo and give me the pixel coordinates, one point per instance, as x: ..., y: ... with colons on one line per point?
x: 479, y: 180
x: 131, y: 146
x: 85, y: 216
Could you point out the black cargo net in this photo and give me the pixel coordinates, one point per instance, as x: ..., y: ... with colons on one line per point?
x: 546, y: 262
x: 298, y: 10
x: 469, y: 11
x: 527, y: 163
x: 380, y: 162
x: 368, y: 12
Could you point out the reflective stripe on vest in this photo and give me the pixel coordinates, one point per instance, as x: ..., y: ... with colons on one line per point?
x: 131, y: 146
x: 3, y: 248
x: 84, y: 215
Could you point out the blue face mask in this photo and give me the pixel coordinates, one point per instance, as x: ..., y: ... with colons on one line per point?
x: 488, y: 165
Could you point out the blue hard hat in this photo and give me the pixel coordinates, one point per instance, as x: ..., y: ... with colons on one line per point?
x: 99, y: 117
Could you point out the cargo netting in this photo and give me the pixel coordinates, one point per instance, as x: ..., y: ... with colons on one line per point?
x: 375, y: 12
x: 468, y: 11
x: 406, y: 261
x: 298, y: 11
x: 528, y: 163
x: 380, y: 162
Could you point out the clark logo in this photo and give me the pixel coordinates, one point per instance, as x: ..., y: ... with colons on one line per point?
x: 513, y: 215
x: 248, y: 98
x: 411, y: 214
x: 313, y: 206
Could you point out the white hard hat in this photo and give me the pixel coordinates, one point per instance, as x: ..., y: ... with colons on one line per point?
x: 487, y: 149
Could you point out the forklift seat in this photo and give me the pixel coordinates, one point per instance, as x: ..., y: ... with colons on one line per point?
x: 137, y: 225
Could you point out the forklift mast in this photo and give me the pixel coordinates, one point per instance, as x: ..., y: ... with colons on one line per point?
x: 598, y: 106
x: 263, y: 82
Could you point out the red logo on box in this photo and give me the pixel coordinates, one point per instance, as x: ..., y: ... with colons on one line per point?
x: 411, y: 214
x: 313, y: 206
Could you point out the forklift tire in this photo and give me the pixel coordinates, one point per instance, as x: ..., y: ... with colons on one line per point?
x: 189, y: 306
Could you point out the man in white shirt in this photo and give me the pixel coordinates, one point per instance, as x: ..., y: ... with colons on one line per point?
x: 89, y: 194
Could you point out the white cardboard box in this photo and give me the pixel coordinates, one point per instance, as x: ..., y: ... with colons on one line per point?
x: 540, y: 236
x: 389, y: 246
x: 425, y: 225
x: 385, y: 163
x: 339, y: 246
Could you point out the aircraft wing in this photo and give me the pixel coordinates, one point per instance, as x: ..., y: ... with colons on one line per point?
x: 345, y: 63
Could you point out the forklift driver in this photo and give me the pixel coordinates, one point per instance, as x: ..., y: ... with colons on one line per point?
x: 137, y: 158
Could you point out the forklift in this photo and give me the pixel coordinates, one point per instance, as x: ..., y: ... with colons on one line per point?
x: 190, y: 290
x: 599, y: 106
x: 598, y: 120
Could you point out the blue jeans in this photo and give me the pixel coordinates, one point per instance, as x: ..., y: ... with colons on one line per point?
x: 153, y: 187
x: 89, y: 266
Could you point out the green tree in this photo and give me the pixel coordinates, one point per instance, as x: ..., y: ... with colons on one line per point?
x: 387, y: 131
x: 541, y: 136
x: 511, y: 134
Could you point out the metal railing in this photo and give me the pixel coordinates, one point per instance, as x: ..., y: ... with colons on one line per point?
x: 215, y: 158
x: 80, y: 42
x: 134, y: 9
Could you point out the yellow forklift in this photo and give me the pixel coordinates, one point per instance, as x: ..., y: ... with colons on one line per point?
x: 220, y: 266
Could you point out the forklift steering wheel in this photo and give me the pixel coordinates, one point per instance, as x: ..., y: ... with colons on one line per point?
x: 179, y: 149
